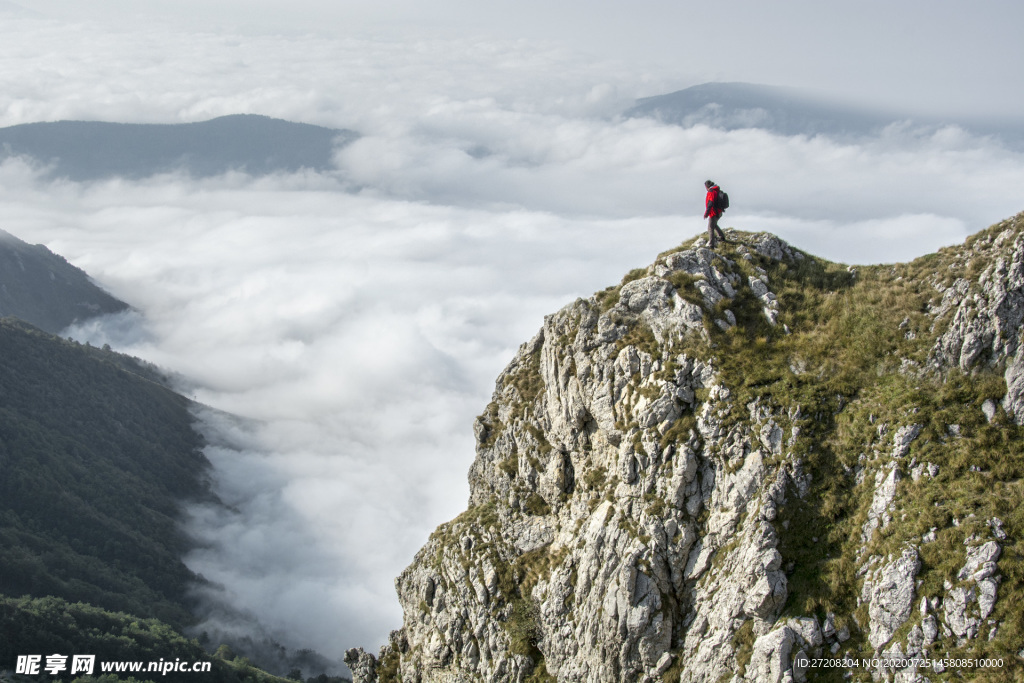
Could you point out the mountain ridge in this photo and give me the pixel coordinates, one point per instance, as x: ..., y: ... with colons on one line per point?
x: 735, y: 461
x: 98, y: 457
x: 789, y: 112
x: 43, y: 289
x: 251, y: 143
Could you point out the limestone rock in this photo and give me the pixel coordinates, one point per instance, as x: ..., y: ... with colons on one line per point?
x: 771, y: 659
x: 890, y: 594
x: 968, y: 605
x: 985, y: 318
x: 637, y: 512
x: 980, y: 561
x: 362, y: 664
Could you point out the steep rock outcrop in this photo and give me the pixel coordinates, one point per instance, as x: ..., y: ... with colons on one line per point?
x: 983, y: 316
x: 724, y: 467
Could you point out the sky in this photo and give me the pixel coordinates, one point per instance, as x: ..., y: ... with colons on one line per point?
x: 344, y: 328
x: 914, y: 55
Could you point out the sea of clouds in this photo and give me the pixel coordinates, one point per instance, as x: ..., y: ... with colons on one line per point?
x: 345, y: 328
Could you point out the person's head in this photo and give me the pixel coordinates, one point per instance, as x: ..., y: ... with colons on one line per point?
x: 708, y: 183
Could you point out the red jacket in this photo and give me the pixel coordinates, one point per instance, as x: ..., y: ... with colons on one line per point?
x: 711, y: 203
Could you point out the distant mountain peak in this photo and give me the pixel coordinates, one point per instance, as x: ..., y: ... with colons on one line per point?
x: 733, y: 106
x: 251, y: 143
x: 791, y: 111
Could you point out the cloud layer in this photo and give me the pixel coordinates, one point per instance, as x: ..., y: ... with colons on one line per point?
x: 357, y: 336
x: 353, y: 323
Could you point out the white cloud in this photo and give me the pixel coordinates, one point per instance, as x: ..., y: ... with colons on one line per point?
x: 357, y: 321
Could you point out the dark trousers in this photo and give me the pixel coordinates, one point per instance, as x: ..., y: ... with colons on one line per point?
x: 713, y: 228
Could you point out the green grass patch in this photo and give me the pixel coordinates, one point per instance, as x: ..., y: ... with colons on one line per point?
x: 595, y: 478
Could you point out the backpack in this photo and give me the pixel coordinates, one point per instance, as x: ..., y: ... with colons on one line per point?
x: 723, y: 201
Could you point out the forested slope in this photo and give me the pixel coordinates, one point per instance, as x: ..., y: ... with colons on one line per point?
x: 95, y: 460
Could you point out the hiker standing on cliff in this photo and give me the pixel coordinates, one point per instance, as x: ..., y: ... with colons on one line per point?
x: 712, y: 211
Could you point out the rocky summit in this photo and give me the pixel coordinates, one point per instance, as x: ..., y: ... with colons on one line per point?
x: 744, y: 464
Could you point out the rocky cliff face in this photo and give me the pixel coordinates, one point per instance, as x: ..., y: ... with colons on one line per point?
x: 737, y: 461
